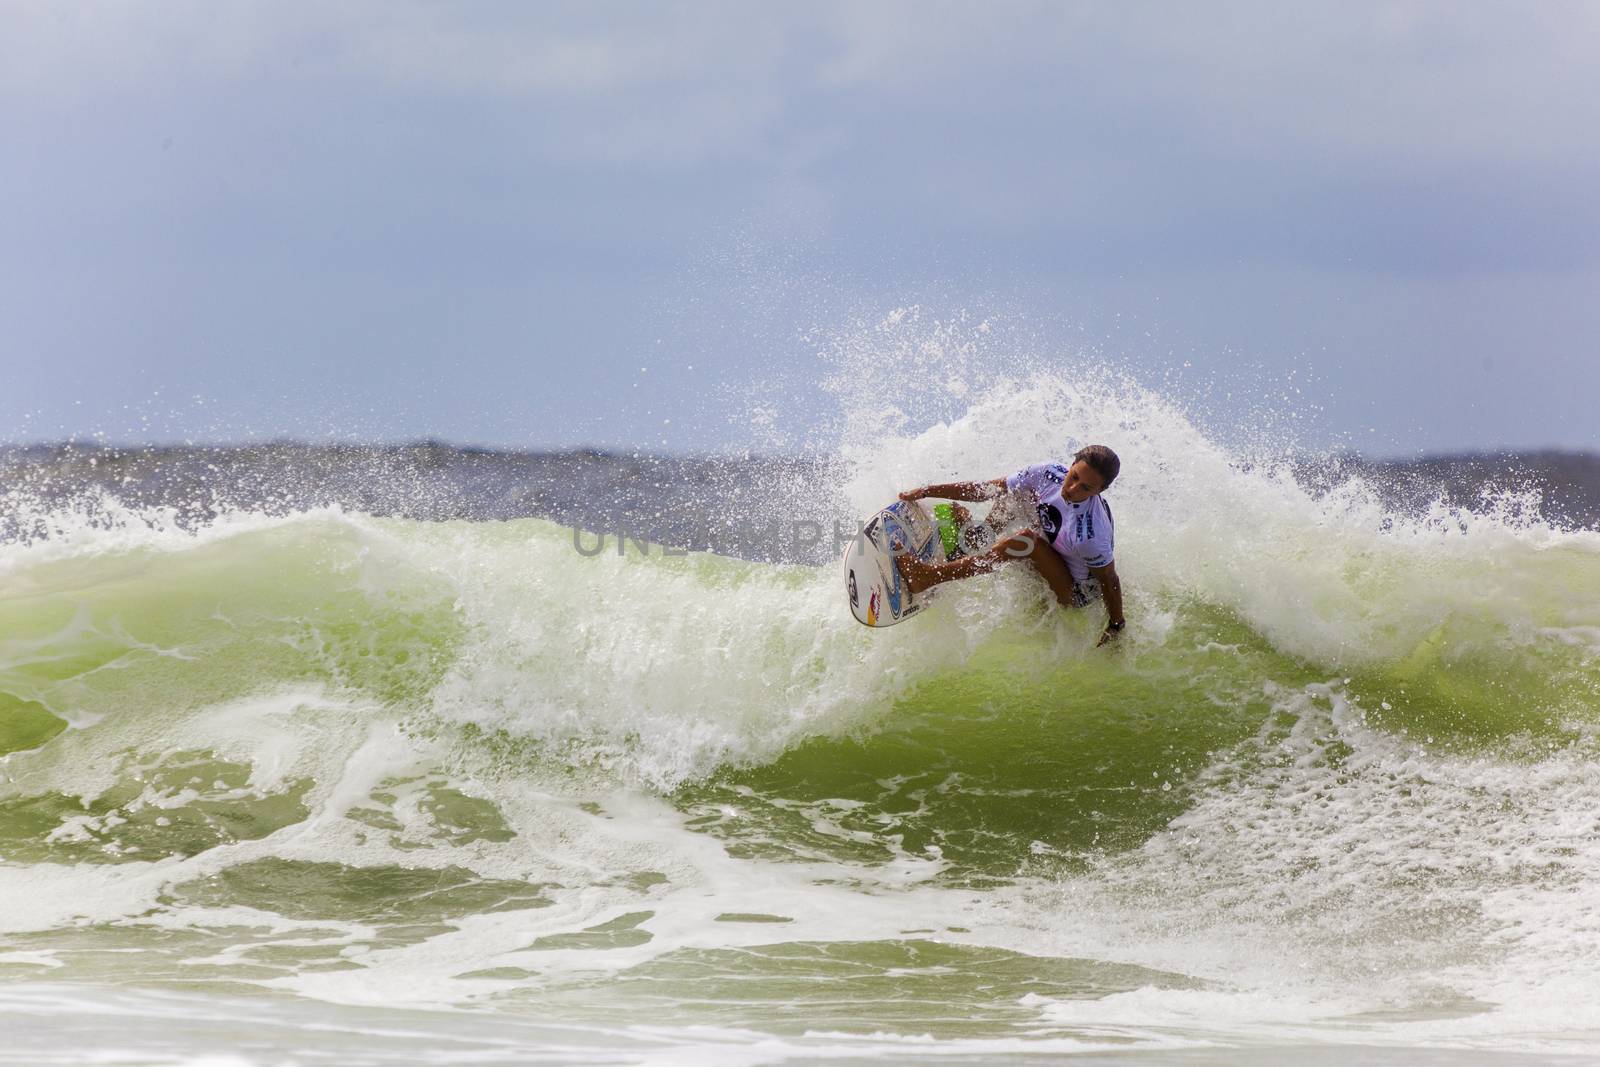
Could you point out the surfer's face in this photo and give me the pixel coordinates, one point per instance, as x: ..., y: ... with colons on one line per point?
x: 1082, y: 482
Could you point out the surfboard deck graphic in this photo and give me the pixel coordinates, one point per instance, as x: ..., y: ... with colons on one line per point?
x: 877, y: 594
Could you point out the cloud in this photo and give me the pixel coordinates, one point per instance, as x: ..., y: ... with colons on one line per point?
x: 1351, y: 133
x: 1249, y: 78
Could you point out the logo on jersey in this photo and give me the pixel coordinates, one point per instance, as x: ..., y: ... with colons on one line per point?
x: 1055, y: 474
x: 1049, y: 520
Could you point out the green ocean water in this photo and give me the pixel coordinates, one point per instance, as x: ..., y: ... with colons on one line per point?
x: 285, y: 785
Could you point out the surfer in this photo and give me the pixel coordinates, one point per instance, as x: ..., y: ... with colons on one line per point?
x: 1073, y: 555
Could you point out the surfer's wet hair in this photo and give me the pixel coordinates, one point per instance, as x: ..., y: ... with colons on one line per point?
x: 1102, y: 461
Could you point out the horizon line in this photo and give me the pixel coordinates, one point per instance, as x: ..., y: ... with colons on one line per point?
x: 701, y: 454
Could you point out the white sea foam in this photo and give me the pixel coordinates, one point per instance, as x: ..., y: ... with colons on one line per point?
x: 1332, y: 878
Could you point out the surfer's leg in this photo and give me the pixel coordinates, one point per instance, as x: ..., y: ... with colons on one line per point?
x: 919, y: 575
x: 1054, y: 571
x: 1029, y: 546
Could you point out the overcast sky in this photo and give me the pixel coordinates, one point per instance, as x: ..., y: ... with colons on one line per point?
x: 522, y: 224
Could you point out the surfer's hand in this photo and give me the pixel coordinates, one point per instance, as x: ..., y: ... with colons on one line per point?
x: 914, y: 494
x: 1109, y: 635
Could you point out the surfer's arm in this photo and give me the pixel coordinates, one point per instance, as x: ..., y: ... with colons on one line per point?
x: 1111, y: 588
x: 973, y: 491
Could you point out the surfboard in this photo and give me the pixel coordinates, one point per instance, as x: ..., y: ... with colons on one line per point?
x: 878, y: 595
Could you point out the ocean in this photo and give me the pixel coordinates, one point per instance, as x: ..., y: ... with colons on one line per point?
x: 384, y: 755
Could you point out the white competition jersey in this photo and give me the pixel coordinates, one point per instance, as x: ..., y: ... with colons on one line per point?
x: 1082, y: 533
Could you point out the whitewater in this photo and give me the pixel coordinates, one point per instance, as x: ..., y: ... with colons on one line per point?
x: 299, y: 784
